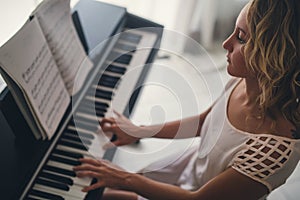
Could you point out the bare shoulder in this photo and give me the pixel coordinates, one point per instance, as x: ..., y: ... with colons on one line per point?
x: 240, y: 187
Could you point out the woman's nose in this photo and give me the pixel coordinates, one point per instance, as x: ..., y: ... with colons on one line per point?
x: 227, y: 44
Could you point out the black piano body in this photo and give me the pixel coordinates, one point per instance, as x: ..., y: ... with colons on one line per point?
x: 22, y: 155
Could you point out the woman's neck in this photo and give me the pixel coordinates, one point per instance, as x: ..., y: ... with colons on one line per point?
x: 251, y: 91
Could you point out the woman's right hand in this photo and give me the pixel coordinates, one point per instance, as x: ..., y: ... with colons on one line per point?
x: 122, y: 128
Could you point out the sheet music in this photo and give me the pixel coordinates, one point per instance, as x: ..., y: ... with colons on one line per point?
x: 27, y: 58
x: 56, y: 22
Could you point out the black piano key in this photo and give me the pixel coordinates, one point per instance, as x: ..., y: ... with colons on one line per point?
x: 56, y: 185
x: 77, y: 138
x: 102, y: 94
x: 91, y: 111
x: 98, y: 105
x: 107, y: 83
x: 109, y: 78
x: 116, y: 69
x: 86, y: 135
x: 64, y: 160
x: 72, y: 144
x: 57, y: 178
x: 86, y: 125
x: 60, y: 170
x: 45, y: 195
x: 67, y: 153
x: 124, y: 59
x: 101, y: 104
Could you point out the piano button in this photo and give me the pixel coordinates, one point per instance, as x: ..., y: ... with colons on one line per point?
x: 60, y: 170
x: 69, y: 154
x: 46, y: 195
x: 64, y: 160
x: 72, y: 144
x: 56, y: 178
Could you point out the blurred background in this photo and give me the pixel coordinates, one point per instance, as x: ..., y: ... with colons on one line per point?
x: 208, y: 22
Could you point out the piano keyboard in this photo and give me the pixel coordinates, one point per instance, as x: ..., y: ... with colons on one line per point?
x: 81, y: 138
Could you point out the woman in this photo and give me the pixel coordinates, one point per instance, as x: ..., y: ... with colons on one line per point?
x: 250, y: 135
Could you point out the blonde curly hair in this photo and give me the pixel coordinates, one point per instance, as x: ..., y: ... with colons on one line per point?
x: 272, y: 53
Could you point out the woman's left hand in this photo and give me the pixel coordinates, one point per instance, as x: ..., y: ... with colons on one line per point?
x: 107, y: 174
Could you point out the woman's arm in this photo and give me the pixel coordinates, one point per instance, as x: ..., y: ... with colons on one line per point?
x: 127, y: 132
x: 185, y: 128
x: 228, y: 185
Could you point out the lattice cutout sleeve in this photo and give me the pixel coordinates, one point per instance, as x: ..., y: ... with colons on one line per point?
x: 262, y: 157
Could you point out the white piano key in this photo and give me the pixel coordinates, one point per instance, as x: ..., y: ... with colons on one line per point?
x: 71, y: 127
x: 88, y: 116
x: 74, y: 150
x: 36, y: 197
x: 67, y: 195
x: 96, y: 99
x: 80, y: 181
x: 101, y: 87
x: 96, y: 148
x: 74, y: 190
x: 76, y: 180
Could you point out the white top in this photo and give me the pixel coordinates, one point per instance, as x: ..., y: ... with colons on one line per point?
x: 266, y: 158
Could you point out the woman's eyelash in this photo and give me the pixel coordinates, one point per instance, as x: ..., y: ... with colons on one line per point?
x: 240, y: 40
